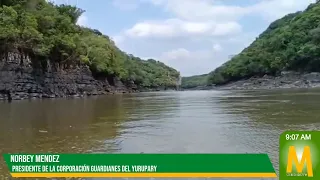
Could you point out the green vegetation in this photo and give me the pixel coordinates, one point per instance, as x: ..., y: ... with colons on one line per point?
x: 290, y: 43
x: 48, y: 33
x: 194, y: 81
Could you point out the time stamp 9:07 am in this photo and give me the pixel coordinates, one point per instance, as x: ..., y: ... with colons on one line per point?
x: 294, y: 137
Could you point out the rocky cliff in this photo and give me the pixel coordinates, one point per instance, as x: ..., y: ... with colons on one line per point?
x: 19, y: 79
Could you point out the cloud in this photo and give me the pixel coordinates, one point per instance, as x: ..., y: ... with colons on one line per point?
x: 83, y: 20
x: 207, y: 18
x: 118, y: 39
x: 190, y: 62
x: 274, y: 9
x: 184, y: 60
x: 203, y: 10
x: 201, y: 34
x: 179, y: 28
x: 176, y: 54
x: 217, y: 48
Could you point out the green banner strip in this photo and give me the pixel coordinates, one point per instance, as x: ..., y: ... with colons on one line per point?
x: 140, y: 165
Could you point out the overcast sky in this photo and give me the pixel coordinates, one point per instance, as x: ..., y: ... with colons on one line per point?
x: 192, y: 36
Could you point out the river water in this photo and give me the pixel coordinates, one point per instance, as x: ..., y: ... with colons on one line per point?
x: 158, y: 122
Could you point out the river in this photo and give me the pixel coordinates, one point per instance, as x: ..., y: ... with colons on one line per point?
x: 158, y: 122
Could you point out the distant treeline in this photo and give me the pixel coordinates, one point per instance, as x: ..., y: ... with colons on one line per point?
x: 194, y: 81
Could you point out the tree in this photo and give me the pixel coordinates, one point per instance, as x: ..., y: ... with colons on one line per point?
x: 45, y: 31
x: 289, y: 43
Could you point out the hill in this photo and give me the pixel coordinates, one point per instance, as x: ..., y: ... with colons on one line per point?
x: 46, y: 37
x: 291, y: 43
x: 194, y: 81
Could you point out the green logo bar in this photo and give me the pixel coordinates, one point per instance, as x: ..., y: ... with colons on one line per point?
x: 140, y: 165
x: 299, y: 155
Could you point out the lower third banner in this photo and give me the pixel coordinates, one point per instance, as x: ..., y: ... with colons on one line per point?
x: 140, y: 165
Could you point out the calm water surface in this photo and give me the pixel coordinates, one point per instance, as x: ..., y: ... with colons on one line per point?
x: 162, y: 122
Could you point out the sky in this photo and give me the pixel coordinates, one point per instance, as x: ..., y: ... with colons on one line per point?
x: 192, y: 36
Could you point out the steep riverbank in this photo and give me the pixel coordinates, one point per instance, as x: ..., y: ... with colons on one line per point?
x: 285, y: 80
x: 290, y: 43
x: 20, y: 80
x: 45, y: 53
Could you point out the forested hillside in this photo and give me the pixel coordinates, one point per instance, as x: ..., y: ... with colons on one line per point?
x: 48, y: 32
x: 290, y: 43
x: 194, y: 81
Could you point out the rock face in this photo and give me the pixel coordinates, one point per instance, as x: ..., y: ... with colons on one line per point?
x: 19, y: 80
x: 285, y: 80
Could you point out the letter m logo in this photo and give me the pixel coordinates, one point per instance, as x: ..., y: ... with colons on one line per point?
x: 306, y: 158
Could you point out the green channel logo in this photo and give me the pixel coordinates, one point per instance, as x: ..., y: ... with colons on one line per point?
x: 299, y: 155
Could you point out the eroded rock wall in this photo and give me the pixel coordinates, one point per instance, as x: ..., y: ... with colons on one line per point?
x: 20, y: 80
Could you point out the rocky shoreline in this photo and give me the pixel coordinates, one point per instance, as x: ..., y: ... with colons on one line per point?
x: 285, y: 80
x: 20, y: 80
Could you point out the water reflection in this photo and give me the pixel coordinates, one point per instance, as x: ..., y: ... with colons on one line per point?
x: 159, y: 122
x: 89, y: 125
x: 263, y: 115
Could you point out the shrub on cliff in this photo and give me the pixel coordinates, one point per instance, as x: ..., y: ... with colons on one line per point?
x: 290, y: 43
x: 45, y: 31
